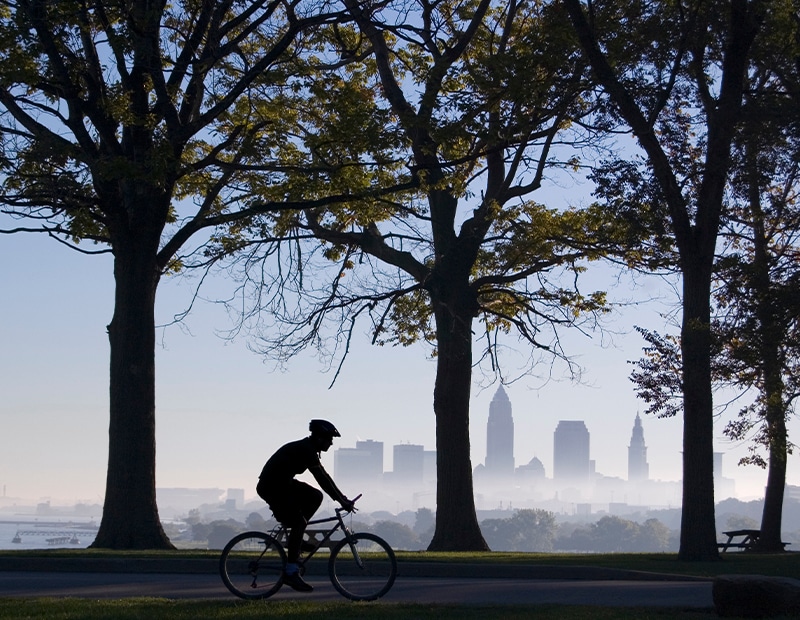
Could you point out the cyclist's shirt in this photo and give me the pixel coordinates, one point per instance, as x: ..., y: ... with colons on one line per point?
x: 292, y: 460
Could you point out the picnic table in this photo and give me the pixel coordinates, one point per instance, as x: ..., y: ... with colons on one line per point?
x: 740, y: 539
x: 746, y: 540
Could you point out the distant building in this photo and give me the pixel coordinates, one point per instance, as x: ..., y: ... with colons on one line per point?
x: 792, y: 492
x: 409, y: 464
x: 362, y: 464
x: 571, y: 462
x: 235, y: 498
x: 500, y: 437
x: 180, y: 500
x: 374, y: 463
x: 429, y: 467
x: 723, y: 487
x: 638, y: 468
x: 531, y: 473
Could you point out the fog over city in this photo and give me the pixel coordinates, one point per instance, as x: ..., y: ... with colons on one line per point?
x: 221, y: 410
x: 568, y: 504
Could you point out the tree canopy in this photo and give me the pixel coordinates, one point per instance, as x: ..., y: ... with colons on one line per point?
x: 682, y: 99
x: 128, y: 127
x: 479, y: 104
x: 753, y: 314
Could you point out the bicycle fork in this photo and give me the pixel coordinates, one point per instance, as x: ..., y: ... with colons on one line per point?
x: 352, y: 542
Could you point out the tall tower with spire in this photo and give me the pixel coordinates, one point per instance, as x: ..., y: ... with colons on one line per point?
x: 638, y: 469
x: 500, y: 437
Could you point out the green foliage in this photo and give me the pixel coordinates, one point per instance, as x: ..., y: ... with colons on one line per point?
x: 757, y: 302
x: 658, y: 378
x: 450, y: 146
x: 526, y: 530
x: 220, y: 534
x: 135, y: 126
x: 755, y: 328
x: 398, y: 535
x: 632, y: 196
x: 612, y: 534
x: 738, y: 522
x: 109, y: 114
x: 424, y: 525
x: 255, y: 521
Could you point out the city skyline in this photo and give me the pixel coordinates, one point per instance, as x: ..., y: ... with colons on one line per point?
x: 575, y: 479
x: 572, y: 462
x: 222, y: 409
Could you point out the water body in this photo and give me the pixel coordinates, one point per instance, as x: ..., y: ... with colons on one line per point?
x: 46, y: 533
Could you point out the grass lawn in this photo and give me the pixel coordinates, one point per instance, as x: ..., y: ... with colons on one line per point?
x: 161, y: 609
x: 786, y: 564
x: 779, y: 564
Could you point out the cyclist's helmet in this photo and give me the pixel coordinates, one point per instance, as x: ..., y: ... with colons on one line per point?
x: 323, y: 427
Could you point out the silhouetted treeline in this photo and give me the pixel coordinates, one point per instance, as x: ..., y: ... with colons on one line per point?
x: 614, y: 534
x: 526, y: 530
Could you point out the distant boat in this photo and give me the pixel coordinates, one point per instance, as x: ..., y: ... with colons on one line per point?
x: 16, y: 538
x: 74, y: 540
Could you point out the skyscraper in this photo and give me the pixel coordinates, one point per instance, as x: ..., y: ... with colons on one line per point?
x: 500, y: 436
x: 571, y: 463
x: 638, y: 469
x: 375, y: 463
x: 409, y: 463
x: 362, y: 464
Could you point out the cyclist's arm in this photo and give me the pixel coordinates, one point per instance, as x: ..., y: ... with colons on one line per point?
x: 326, y: 482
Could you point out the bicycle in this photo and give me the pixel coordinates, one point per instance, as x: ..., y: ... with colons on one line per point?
x: 361, y: 566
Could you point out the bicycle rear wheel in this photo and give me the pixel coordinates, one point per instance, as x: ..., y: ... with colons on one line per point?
x: 364, y: 570
x: 252, y: 565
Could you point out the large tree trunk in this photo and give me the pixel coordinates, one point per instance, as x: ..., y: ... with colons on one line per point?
x: 457, y: 526
x: 772, y: 515
x: 130, y: 514
x: 698, y: 527
x: 771, y: 333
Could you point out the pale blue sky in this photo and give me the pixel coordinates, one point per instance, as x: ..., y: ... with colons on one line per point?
x: 221, y: 411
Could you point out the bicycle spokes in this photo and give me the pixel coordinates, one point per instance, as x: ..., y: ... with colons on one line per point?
x: 362, y: 567
x: 252, y: 565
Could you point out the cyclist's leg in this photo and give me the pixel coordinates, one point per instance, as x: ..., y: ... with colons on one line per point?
x: 305, y: 502
x: 293, y: 506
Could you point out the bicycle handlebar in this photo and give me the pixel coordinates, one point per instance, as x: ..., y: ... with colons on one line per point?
x: 352, y: 501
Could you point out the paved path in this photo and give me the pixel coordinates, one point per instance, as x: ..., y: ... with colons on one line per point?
x: 506, y: 591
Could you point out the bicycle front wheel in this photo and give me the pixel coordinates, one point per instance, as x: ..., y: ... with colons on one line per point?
x: 363, y: 567
x: 252, y: 565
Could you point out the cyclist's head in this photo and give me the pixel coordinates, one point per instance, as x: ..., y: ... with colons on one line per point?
x: 323, y: 428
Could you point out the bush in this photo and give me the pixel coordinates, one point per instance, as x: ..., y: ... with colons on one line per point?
x: 399, y: 536
x: 527, y: 530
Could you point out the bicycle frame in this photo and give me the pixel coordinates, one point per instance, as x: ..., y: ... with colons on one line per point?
x: 280, y: 532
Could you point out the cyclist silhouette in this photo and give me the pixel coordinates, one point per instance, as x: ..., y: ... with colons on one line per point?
x: 294, y: 502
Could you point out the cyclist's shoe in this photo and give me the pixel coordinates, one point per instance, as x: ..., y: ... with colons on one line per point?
x: 295, y: 582
x: 307, y: 547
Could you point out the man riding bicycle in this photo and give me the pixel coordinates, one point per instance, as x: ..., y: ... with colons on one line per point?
x: 294, y: 502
